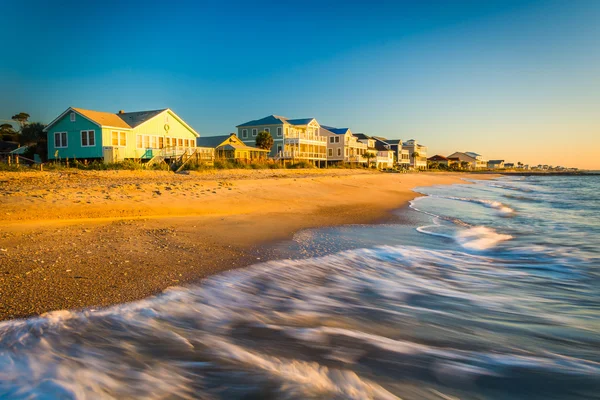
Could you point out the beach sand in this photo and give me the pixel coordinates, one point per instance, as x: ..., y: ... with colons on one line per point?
x: 78, y: 239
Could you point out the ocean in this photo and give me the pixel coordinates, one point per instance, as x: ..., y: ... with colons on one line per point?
x: 483, y: 290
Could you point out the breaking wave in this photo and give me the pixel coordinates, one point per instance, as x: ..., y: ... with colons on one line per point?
x: 370, y: 323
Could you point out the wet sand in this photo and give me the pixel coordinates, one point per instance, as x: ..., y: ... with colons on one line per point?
x: 76, y: 239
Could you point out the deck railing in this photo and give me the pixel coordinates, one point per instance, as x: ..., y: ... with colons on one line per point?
x: 287, y: 155
x: 306, y: 136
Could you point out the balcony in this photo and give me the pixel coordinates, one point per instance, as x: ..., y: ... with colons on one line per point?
x: 301, y: 155
x: 305, y: 137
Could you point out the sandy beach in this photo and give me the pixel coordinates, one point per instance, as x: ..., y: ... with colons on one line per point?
x: 93, y: 238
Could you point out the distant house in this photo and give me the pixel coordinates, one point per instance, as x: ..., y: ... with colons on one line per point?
x: 509, y: 165
x: 481, y: 162
x: 495, y: 164
x: 230, y: 147
x: 88, y: 134
x: 418, y: 154
x: 463, y: 160
x: 438, y: 159
x: 294, y: 139
x: 343, y: 145
x: 401, y: 155
x: 385, y: 154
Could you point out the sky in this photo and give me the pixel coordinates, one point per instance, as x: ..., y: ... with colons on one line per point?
x: 513, y: 80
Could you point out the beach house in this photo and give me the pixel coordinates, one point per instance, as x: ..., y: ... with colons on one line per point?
x: 88, y: 134
x: 495, y: 164
x: 294, y: 139
x: 481, y: 163
x: 463, y: 160
x: 401, y: 155
x: 230, y: 147
x: 417, y: 152
x: 343, y: 146
x: 438, y: 159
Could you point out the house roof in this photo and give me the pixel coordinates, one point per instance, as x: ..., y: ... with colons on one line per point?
x: 136, y: 118
x: 472, y: 154
x: 337, y: 131
x: 495, y: 161
x: 102, y: 118
x: 222, y: 141
x: 123, y: 121
x: 394, y: 141
x: 462, y: 157
x: 380, y: 138
x: 437, y: 157
x: 211, y: 141
x: 362, y: 136
x: 276, y: 120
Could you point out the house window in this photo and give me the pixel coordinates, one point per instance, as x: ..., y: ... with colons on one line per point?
x: 339, y: 152
x: 180, y: 142
x: 139, y: 141
x: 88, y: 139
x: 331, y: 139
x: 244, y: 133
x: 152, y: 142
x: 254, y: 131
x: 60, y: 139
x: 330, y: 152
x: 146, y: 141
x: 268, y: 130
x: 337, y: 139
x: 346, y: 152
x: 119, y: 138
x: 279, y: 148
x: 72, y: 117
x: 279, y: 130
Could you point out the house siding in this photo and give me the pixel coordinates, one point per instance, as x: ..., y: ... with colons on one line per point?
x: 73, y: 129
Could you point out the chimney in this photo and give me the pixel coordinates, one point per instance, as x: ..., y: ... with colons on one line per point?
x: 121, y: 111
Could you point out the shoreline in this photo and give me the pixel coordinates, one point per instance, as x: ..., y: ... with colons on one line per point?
x: 99, y: 239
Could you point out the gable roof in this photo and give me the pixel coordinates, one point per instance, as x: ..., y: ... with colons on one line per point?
x: 437, y: 157
x: 211, y: 141
x: 495, y: 161
x: 380, y: 144
x: 394, y: 141
x: 362, y: 136
x: 122, y: 121
x: 102, y: 118
x: 276, y: 120
x: 223, y: 141
x: 337, y: 131
x: 136, y: 118
x: 462, y: 156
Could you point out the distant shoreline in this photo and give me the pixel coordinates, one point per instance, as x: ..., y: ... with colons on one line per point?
x: 98, y: 238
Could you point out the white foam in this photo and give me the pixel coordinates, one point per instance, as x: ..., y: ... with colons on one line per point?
x: 480, y: 238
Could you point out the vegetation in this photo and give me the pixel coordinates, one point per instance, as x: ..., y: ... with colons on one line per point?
x: 369, y: 156
x: 264, y: 140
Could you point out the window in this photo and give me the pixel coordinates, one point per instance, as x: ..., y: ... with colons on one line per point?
x: 339, y: 152
x: 268, y: 130
x: 180, y: 142
x: 279, y: 130
x: 152, y: 142
x: 331, y: 139
x: 119, y: 138
x: 161, y: 142
x: 244, y: 133
x: 346, y: 152
x: 337, y: 139
x: 279, y: 148
x: 254, y: 131
x: 88, y: 139
x: 60, y: 139
x: 330, y: 152
x: 72, y: 117
x: 146, y: 141
x: 139, y: 141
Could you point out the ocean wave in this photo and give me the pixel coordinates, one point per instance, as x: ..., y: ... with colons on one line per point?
x: 472, y: 238
x: 387, y: 322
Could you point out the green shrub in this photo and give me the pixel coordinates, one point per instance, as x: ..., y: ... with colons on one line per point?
x: 300, y: 165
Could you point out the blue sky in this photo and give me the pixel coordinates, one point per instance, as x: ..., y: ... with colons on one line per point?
x: 518, y: 80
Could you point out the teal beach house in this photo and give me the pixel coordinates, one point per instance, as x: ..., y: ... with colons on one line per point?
x: 87, y: 134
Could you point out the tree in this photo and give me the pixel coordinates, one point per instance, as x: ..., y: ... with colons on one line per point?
x: 21, y: 118
x: 415, y: 155
x: 464, y: 164
x: 264, y: 140
x: 369, y: 156
x: 8, y: 133
x: 32, y: 133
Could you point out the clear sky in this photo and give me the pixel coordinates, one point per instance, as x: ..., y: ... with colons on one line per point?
x: 518, y: 80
